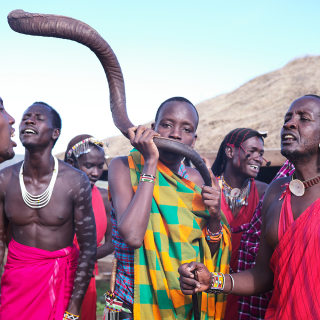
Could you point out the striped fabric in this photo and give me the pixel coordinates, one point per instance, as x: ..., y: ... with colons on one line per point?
x: 296, y: 265
x: 125, y: 256
x: 175, y: 235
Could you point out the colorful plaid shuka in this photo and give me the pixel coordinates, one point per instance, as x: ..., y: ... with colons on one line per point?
x: 175, y: 235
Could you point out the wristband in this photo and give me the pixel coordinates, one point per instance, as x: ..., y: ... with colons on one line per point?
x: 147, y: 178
x: 70, y: 316
x: 218, y: 282
x: 214, y: 237
x: 232, y: 284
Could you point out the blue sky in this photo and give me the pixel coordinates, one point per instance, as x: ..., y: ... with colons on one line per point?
x: 196, y: 49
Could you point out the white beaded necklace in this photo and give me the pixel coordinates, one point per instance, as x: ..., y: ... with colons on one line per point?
x: 36, y: 202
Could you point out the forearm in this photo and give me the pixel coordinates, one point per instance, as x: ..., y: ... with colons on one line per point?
x: 250, y: 282
x: 105, y: 250
x: 134, y: 221
x: 86, y: 262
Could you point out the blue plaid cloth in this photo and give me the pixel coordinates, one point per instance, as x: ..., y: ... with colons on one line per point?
x: 125, y: 255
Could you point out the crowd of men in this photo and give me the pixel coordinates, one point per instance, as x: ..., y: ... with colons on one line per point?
x: 246, y: 249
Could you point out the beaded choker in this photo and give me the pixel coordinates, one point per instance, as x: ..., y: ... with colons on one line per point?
x: 298, y: 187
x: 235, y: 197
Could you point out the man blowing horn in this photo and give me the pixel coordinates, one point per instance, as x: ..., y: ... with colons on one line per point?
x: 288, y: 254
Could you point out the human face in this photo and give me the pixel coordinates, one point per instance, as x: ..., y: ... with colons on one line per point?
x: 36, y: 129
x: 177, y: 120
x: 300, y: 134
x: 91, y: 164
x: 6, y: 132
x: 251, y: 155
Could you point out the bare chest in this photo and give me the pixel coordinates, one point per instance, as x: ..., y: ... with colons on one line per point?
x: 55, y: 213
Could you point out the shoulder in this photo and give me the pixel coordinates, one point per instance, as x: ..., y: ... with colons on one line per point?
x: 275, y: 189
x: 262, y: 187
x: 195, y: 176
x: 71, y: 175
x: 7, y: 173
x: 118, y: 166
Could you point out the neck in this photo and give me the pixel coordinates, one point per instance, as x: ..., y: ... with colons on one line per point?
x: 306, y: 170
x: 172, y: 166
x: 234, y: 179
x: 38, y: 164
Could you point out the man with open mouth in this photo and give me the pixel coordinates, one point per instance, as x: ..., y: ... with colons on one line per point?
x: 238, y: 162
x: 288, y: 259
x: 46, y: 201
x: 6, y: 133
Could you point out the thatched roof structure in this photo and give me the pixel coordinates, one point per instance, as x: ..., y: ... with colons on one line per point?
x: 258, y: 104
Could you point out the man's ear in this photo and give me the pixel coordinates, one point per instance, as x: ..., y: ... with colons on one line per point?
x: 229, y: 152
x: 56, y: 134
x: 153, y: 125
x: 194, y: 141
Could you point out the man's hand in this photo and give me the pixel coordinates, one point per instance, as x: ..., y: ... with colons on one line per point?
x: 189, y: 283
x: 142, y: 139
x: 211, y: 197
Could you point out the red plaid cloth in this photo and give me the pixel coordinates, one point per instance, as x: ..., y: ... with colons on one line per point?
x: 255, y: 307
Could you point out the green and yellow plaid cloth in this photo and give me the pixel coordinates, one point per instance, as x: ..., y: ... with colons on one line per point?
x: 175, y: 235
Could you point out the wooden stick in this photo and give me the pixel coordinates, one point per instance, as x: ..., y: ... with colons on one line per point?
x: 113, y: 274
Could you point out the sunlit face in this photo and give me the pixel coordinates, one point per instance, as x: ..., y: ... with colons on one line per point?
x: 300, y: 134
x: 36, y: 128
x: 91, y: 163
x: 250, y: 157
x: 177, y: 120
x: 6, y: 132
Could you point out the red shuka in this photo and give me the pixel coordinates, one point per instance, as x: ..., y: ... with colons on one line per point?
x: 296, y: 265
x: 244, y: 216
x: 88, y: 308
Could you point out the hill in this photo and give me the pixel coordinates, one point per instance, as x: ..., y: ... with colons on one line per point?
x: 258, y: 104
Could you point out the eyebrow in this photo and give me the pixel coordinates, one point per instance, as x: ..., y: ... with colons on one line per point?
x: 172, y: 120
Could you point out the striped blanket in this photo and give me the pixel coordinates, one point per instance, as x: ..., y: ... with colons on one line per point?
x: 175, y: 235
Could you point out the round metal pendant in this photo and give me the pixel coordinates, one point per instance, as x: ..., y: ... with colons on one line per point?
x: 297, y: 187
x: 235, y: 192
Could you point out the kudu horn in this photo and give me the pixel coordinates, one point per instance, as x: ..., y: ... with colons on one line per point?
x: 49, y: 25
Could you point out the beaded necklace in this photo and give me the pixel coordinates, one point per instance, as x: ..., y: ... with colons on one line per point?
x: 40, y: 201
x: 235, y: 197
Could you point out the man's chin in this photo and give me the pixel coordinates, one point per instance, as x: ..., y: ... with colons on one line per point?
x: 295, y: 156
x: 6, y: 154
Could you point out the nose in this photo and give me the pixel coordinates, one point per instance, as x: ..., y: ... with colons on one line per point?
x: 95, y: 172
x: 290, y: 124
x: 11, y: 119
x: 175, y: 133
x: 30, y: 120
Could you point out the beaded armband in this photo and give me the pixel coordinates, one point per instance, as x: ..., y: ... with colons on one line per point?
x: 218, y: 282
x: 214, y: 237
x: 147, y: 178
x: 70, y: 316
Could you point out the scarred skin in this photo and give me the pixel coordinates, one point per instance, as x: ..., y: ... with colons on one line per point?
x: 303, y: 122
x: 91, y: 164
x: 177, y: 120
x: 51, y: 227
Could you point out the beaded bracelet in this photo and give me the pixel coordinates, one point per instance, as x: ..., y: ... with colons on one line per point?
x: 70, y: 316
x: 214, y: 237
x: 147, y: 178
x: 218, y: 282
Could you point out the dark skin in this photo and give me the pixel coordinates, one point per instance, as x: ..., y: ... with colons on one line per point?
x: 51, y: 227
x: 177, y: 120
x: 300, y: 137
x: 238, y: 178
x: 6, y: 132
x: 92, y: 165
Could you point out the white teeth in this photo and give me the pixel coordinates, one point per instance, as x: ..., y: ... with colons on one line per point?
x: 12, y: 135
x: 29, y: 131
x: 289, y: 136
x: 254, y: 167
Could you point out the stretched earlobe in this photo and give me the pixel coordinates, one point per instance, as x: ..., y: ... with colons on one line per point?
x: 153, y: 125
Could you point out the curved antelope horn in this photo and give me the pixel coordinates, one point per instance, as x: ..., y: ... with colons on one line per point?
x: 49, y: 25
